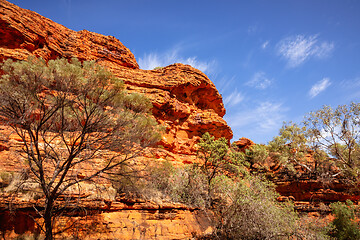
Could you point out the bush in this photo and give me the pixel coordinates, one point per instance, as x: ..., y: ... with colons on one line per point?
x: 69, y: 113
x: 311, y: 228
x: 6, y: 178
x: 162, y: 181
x: 344, y: 225
x: 255, y: 214
x: 256, y: 154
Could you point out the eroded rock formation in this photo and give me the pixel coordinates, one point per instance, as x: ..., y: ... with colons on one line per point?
x: 118, y: 219
x: 185, y: 101
x: 243, y: 143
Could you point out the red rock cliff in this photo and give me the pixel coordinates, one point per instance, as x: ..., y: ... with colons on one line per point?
x: 185, y: 101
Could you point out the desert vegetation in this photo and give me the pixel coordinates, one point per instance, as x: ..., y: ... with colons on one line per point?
x: 330, y: 136
x: 71, y: 113
x: 67, y: 114
x: 244, y: 201
x: 235, y: 184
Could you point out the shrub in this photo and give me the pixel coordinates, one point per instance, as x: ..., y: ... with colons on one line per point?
x: 5, y: 178
x: 158, y: 68
x: 344, y: 225
x: 68, y: 113
x: 257, y: 154
x: 311, y: 228
x: 255, y: 214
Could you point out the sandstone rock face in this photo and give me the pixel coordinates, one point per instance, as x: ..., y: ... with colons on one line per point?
x: 185, y: 101
x: 308, y: 191
x: 25, y: 33
x: 315, y: 191
x: 119, y: 219
x: 243, y: 143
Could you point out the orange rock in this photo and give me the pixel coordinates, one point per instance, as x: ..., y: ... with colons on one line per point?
x: 243, y: 144
x: 4, y: 147
x: 24, y: 33
x: 185, y: 101
x: 80, y: 175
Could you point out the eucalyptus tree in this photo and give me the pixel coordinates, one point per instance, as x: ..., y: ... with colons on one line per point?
x: 68, y: 113
x: 337, y: 131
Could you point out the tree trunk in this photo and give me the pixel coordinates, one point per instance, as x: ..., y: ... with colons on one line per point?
x: 48, y: 220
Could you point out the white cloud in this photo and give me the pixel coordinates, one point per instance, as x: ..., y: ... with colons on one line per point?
x: 265, y: 45
x: 350, y: 89
x: 224, y: 83
x: 233, y: 99
x: 319, y: 87
x: 298, y: 49
x: 266, y: 117
x: 152, y: 60
x: 259, y: 81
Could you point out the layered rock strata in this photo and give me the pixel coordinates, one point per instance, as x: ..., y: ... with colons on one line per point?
x: 185, y: 101
x: 119, y: 219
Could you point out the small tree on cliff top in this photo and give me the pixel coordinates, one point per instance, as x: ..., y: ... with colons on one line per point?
x: 337, y: 131
x: 68, y: 114
x: 332, y: 136
x: 291, y: 146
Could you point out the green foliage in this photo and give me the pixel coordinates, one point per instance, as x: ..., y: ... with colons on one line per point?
x: 257, y: 154
x: 161, y: 175
x: 68, y: 113
x: 254, y: 213
x: 212, y: 152
x: 190, y: 187
x: 336, y: 131
x: 137, y: 103
x: 158, y: 68
x: 311, y: 228
x: 291, y: 146
x: 237, y: 164
x: 245, y: 205
x: 344, y: 225
x: 163, y: 181
x: 330, y: 135
x: 213, y: 155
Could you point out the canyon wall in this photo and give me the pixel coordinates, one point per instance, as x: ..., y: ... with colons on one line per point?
x: 185, y: 102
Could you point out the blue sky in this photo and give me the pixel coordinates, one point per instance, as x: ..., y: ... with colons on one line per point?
x: 272, y: 61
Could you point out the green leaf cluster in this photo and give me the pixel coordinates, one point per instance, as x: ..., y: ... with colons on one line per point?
x: 344, y: 225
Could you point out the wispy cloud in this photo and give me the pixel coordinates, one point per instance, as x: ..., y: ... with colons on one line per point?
x: 259, y: 81
x: 152, y: 60
x: 350, y: 88
x: 298, y: 49
x: 265, y: 45
x: 267, y: 116
x: 351, y: 83
x: 224, y: 83
x: 319, y: 87
x: 233, y: 99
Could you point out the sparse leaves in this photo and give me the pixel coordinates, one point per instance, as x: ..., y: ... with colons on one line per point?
x: 68, y: 113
